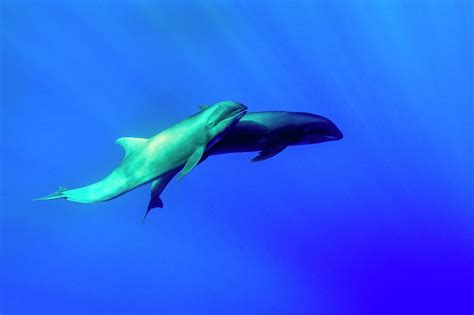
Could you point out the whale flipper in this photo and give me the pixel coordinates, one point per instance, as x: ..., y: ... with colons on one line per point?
x: 130, y: 144
x: 155, y: 202
x: 193, y: 160
x: 157, y: 188
x: 269, y: 152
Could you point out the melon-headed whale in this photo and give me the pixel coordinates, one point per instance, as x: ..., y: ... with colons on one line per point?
x: 267, y: 132
x: 179, y: 147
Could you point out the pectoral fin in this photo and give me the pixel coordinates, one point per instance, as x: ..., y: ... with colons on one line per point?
x: 193, y: 160
x: 269, y: 152
x: 157, y: 188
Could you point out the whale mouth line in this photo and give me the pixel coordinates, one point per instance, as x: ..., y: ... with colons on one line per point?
x: 239, y: 114
x: 334, y: 135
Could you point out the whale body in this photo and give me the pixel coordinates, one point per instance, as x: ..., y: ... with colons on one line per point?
x: 177, y: 148
x: 268, y: 132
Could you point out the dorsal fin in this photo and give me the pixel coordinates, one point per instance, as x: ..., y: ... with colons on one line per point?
x: 203, y: 107
x: 130, y: 144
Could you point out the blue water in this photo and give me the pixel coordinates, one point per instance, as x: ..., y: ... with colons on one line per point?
x: 380, y: 222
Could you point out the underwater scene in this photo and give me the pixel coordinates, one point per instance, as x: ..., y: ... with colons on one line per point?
x: 236, y: 157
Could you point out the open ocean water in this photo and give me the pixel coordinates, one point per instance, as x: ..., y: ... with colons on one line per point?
x: 380, y: 222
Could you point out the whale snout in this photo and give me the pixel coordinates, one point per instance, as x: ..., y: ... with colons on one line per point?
x: 239, y: 112
x: 334, y: 134
x: 321, y: 129
x: 237, y: 108
x: 231, y: 111
x: 330, y: 132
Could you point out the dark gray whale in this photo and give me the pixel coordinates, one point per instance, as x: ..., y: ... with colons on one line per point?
x: 268, y: 132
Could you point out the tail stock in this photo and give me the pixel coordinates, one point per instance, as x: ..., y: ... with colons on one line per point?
x: 57, y: 195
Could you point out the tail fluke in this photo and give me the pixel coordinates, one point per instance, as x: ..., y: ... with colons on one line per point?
x: 58, y: 194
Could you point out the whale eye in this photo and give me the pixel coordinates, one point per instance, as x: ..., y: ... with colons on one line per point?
x: 210, y: 124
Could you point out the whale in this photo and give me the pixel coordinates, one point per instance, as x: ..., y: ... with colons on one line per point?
x: 268, y: 133
x: 178, y: 148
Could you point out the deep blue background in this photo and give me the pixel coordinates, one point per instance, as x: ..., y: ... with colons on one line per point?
x: 378, y: 223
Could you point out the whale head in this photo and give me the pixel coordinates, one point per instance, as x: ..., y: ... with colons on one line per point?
x: 221, y: 117
x: 317, y: 129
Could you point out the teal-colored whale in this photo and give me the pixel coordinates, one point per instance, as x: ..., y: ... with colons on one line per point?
x: 267, y: 132
x: 147, y: 159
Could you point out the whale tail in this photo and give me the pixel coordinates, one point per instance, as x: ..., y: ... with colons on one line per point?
x: 58, y: 194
